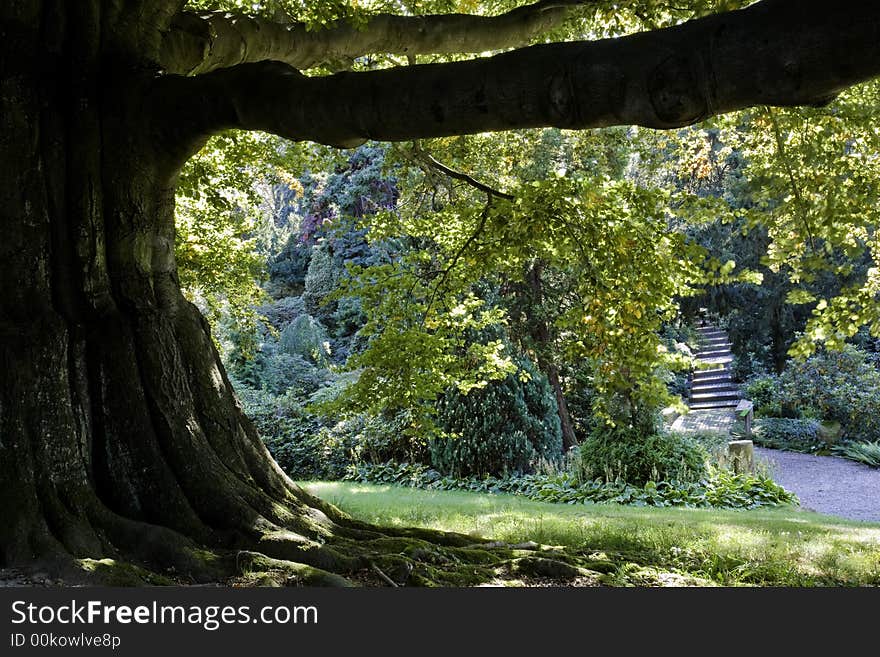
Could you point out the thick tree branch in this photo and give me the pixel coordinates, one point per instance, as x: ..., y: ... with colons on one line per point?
x: 777, y: 52
x: 202, y: 43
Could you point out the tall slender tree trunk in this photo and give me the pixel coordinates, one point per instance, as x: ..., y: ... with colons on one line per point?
x: 543, y: 340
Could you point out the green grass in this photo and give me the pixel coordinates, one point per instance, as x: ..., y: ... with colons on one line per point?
x: 775, y: 547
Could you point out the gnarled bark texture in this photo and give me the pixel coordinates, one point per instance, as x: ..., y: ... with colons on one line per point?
x: 120, y: 435
x: 119, y: 431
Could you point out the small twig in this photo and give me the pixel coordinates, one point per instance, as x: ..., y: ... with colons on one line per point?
x: 385, y: 577
x: 484, y: 217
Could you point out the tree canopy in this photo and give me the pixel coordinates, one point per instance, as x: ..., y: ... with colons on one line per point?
x: 630, y: 272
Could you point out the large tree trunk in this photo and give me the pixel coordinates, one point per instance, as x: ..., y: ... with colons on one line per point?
x: 120, y: 432
x: 120, y: 435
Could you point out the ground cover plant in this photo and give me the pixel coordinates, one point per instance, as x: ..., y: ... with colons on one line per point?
x: 719, y: 488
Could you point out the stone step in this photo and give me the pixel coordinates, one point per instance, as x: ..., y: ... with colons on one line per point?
x: 722, y: 387
x: 716, y: 360
x: 719, y: 375
x: 697, y: 406
x: 715, y: 396
x: 708, y: 370
x: 711, y: 333
x: 713, y: 346
x: 721, y: 380
x: 713, y: 353
x: 716, y: 342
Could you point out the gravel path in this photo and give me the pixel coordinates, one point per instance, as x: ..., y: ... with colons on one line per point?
x: 827, y: 484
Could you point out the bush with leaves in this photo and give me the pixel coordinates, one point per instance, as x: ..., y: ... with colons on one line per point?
x: 278, y: 372
x: 388, y: 438
x: 282, y: 312
x: 715, y: 443
x: 306, y: 337
x: 764, y: 392
x: 504, y: 427
x: 318, y: 453
x: 288, y: 269
x: 628, y: 454
x: 863, y: 452
x: 321, y: 281
x: 288, y: 432
x: 790, y: 434
x: 720, y: 488
x: 836, y: 386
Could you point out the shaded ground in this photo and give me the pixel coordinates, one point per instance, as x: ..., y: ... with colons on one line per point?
x: 644, y: 546
x: 827, y: 484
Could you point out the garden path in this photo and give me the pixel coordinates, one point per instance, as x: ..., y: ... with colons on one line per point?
x: 826, y: 484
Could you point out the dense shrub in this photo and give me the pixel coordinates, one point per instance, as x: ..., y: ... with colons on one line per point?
x: 833, y: 386
x: 287, y: 432
x: 282, y: 312
x: 629, y: 455
x: 308, y: 449
x: 348, y: 316
x: 748, y: 365
x: 305, y: 337
x: 764, y: 391
x: 837, y: 386
x: 507, y: 426
x: 321, y: 280
x: 793, y: 435
x: 278, y: 372
x: 315, y: 452
x: 288, y: 268
x: 719, y: 489
x: 283, y: 373
x: 713, y: 442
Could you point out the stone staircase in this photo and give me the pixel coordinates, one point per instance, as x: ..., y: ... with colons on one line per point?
x: 713, y: 395
x: 712, y: 387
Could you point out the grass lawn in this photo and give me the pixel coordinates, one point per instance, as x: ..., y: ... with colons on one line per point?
x: 648, y: 546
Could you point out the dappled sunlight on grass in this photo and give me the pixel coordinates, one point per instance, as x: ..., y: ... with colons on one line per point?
x: 783, y: 546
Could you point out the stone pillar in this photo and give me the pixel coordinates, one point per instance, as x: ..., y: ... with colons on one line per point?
x: 741, y: 455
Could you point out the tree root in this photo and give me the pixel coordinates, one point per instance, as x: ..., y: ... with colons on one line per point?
x: 390, y: 557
